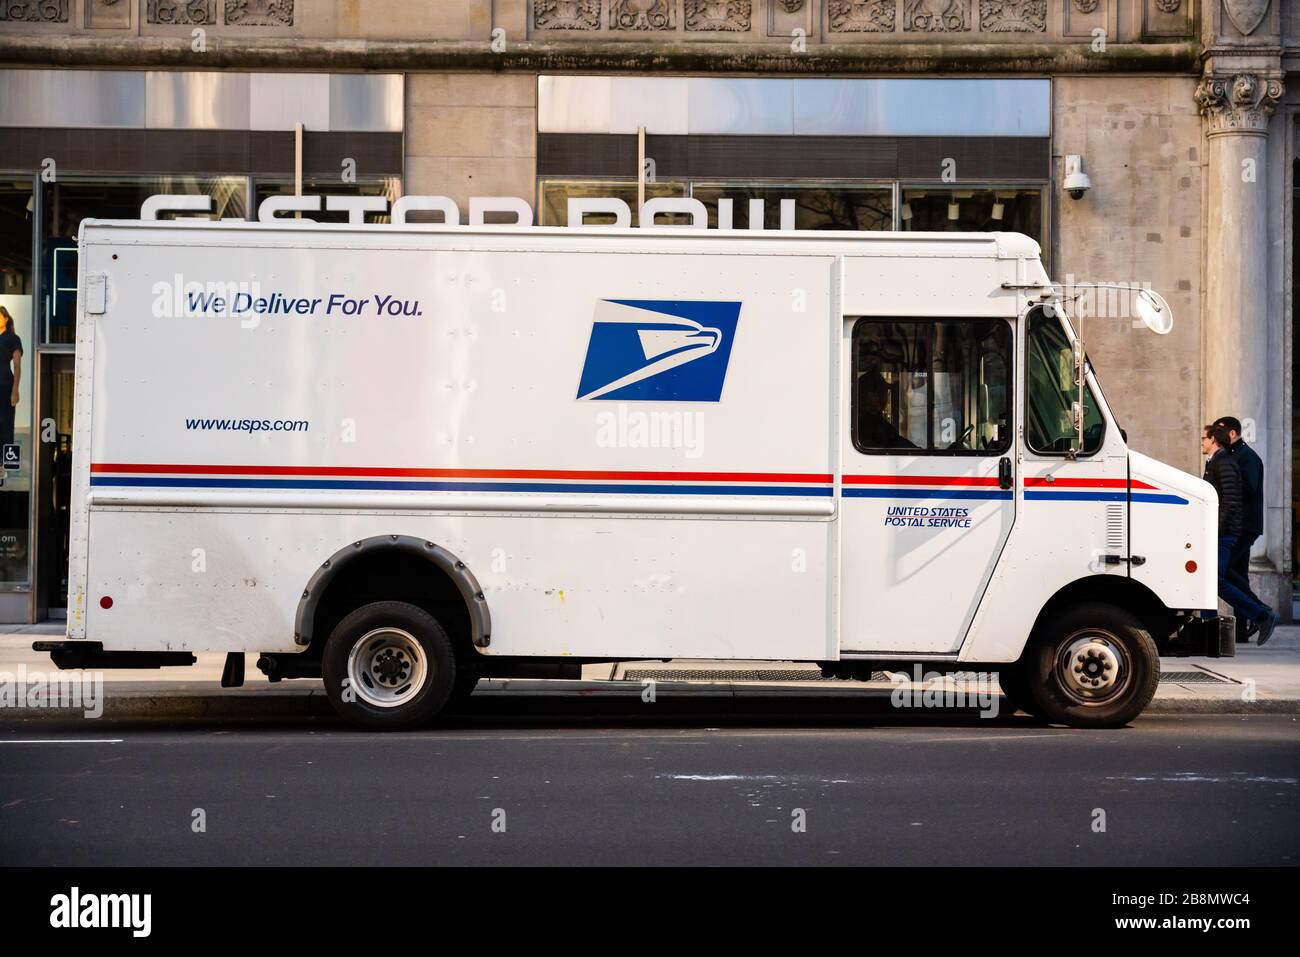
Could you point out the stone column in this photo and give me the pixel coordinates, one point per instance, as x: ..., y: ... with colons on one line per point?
x: 1237, y: 367
x: 1236, y: 111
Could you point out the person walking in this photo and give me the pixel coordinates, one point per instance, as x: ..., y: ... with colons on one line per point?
x: 1251, y: 468
x: 1221, y: 471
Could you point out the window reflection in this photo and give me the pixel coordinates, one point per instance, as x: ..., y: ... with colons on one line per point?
x: 847, y: 208
x: 554, y: 210
x: 389, y: 187
x: 932, y: 387
x: 1052, y: 392
x: 844, y: 206
x: 17, y: 362
x: 70, y: 200
x: 972, y: 210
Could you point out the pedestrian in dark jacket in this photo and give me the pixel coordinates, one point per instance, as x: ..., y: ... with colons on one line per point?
x: 1222, y: 472
x: 1252, y: 520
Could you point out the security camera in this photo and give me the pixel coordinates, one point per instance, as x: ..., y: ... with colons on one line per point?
x: 1076, y: 180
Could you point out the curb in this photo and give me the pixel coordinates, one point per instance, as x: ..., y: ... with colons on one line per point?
x: 314, y: 703
x: 293, y: 705
x: 1223, y: 706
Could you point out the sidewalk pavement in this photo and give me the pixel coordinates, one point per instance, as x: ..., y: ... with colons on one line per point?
x: 1258, y: 680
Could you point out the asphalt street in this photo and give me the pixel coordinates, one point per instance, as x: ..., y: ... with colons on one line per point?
x: 598, y: 783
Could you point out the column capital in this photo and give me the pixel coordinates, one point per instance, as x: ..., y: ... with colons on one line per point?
x: 1237, y: 102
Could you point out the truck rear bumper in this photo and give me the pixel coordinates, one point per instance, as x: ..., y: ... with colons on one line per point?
x: 1203, y: 637
x: 91, y: 654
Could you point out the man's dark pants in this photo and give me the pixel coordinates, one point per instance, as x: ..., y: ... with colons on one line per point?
x: 1238, y: 572
x: 1244, y: 604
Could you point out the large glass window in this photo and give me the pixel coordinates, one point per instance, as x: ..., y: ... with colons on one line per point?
x: 828, y: 207
x: 17, y: 362
x: 69, y: 200
x: 555, y: 193
x: 947, y: 209
x: 1049, y: 428
x: 847, y: 206
x: 931, y: 386
x: 387, y: 186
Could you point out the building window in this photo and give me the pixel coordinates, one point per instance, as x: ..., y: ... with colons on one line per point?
x: 389, y: 187
x: 935, y: 209
x: 68, y: 201
x: 846, y: 207
x: 555, y: 194
x: 16, y: 285
x: 931, y: 387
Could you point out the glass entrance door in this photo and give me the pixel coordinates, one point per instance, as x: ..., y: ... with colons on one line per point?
x: 54, y: 483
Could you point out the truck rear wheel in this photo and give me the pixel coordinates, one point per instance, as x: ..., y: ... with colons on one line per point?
x: 1093, y: 666
x: 389, y: 666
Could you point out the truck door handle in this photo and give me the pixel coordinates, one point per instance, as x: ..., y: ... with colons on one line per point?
x: 1004, y: 473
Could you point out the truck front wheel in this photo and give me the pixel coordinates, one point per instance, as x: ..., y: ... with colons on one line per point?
x: 1092, y: 666
x: 389, y: 666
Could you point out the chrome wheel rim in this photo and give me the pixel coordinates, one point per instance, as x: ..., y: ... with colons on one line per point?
x: 1093, y: 667
x: 386, y: 667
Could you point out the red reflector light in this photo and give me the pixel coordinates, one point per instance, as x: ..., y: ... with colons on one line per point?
x: 106, y: 602
x: 1191, y: 566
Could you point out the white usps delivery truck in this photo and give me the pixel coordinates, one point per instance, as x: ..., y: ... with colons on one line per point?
x: 403, y: 458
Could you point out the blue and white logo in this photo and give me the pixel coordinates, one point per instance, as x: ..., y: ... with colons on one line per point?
x: 663, y: 350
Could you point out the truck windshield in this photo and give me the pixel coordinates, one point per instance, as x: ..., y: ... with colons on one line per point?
x: 1050, y: 381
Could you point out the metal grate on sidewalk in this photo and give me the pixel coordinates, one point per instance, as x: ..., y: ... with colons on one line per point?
x: 723, y: 674
x: 1195, y: 677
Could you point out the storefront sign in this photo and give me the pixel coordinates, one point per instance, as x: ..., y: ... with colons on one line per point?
x: 483, y: 210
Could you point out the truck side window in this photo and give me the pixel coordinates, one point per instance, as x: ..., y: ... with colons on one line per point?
x: 931, y: 387
x: 1050, y: 381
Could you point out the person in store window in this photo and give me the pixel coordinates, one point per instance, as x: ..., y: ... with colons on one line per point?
x: 11, y: 374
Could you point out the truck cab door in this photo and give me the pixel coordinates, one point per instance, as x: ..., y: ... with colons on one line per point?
x: 928, y: 486
x: 1075, y: 497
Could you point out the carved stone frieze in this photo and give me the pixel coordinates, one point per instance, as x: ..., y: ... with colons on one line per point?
x: 642, y: 14
x: 259, y: 13
x: 729, y: 16
x: 566, y: 14
x: 936, y: 16
x: 1013, y: 16
x: 168, y: 12
x: 34, y: 11
x: 861, y: 16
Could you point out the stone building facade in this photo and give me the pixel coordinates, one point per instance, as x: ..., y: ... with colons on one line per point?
x: 1180, y: 110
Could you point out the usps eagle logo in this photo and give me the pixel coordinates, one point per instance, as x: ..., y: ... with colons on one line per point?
x: 662, y: 350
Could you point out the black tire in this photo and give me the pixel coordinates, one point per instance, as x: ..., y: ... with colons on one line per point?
x: 1089, y: 642
x: 389, y: 636
x: 1015, y: 689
